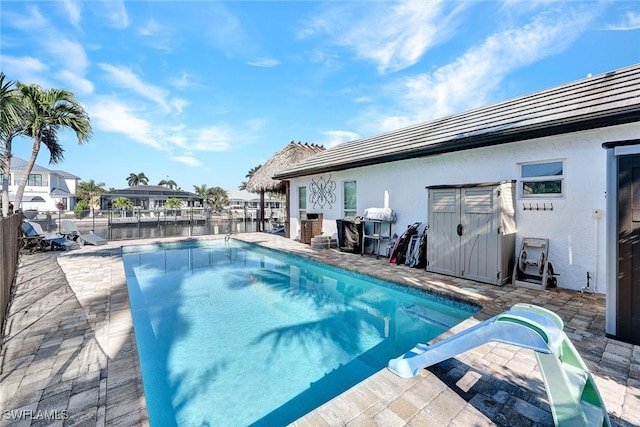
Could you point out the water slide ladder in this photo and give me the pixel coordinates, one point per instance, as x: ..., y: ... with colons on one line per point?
x: 573, y: 395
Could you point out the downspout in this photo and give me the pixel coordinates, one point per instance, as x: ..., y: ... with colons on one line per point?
x: 611, y: 301
x: 287, y: 217
x: 596, y: 218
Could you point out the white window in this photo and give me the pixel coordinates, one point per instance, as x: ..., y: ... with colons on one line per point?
x: 542, y: 179
x: 350, y: 199
x: 302, y: 202
x: 35, y: 180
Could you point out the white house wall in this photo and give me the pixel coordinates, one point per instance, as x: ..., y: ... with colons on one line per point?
x: 53, y: 181
x: 577, y: 239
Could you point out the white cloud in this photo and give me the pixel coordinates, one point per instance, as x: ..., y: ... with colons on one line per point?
x: 182, y: 81
x: 157, y: 36
x: 214, y: 138
x: 66, y: 53
x: 335, y: 137
x: 28, y: 23
x: 471, y: 80
x: 25, y: 69
x: 151, y: 28
x: 113, y: 116
x: 22, y: 64
x: 126, y: 78
x: 393, y: 36
x: 225, y: 31
x: 115, y: 13
x: 179, y: 104
x: 79, y: 85
x: 72, y: 8
x: 187, y: 160
x: 630, y: 21
x: 70, y: 54
x: 264, y: 62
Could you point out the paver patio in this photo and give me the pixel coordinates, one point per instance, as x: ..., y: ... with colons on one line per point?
x: 69, y: 351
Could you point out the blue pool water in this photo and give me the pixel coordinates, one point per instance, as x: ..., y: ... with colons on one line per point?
x: 240, y: 335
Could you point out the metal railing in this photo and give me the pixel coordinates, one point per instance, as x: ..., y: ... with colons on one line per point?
x: 130, y: 224
x: 9, y: 253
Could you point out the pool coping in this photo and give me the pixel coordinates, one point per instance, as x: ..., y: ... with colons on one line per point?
x: 381, y: 399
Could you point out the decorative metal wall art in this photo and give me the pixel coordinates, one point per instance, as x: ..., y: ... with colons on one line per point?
x: 322, y: 192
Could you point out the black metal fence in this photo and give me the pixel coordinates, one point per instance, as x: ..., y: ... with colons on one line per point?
x: 144, y: 224
x: 9, y: 252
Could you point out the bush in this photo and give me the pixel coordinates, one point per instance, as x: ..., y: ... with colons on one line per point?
x: 82, y: 209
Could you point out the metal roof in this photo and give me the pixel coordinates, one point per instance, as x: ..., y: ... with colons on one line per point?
x: 57, y: 192
x: 598, y: 101
x: 18, y: 164
x: 150, y: 190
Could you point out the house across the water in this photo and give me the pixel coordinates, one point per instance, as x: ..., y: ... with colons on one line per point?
x: 45, y: 187
x: 149, y: 197
x: 560, y: 166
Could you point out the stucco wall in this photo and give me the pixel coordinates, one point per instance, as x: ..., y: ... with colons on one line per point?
x: 577, y: 239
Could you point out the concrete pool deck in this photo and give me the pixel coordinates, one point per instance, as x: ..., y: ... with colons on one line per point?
x: 69, y: 355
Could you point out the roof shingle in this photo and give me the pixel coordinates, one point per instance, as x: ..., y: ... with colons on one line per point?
x: 598, y: 101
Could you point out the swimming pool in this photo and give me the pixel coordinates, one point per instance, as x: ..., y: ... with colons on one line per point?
x: 234, y: 334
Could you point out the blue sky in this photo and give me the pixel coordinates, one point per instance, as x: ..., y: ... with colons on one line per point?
x: 202, y: 91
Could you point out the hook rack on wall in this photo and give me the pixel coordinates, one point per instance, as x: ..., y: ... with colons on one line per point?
x: 537, y: 207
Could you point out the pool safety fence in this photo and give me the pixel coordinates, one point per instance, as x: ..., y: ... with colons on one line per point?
x: 10, y: 236
x: 127, y: 224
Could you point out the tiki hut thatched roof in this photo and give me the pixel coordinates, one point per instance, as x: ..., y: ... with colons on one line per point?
x: 262, y: 179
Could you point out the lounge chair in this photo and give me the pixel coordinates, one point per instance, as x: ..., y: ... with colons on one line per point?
x: 53, y: 242
x: 71, y: 232
x: 31, y: 240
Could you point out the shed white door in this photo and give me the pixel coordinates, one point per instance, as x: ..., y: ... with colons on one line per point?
x: 463, y: 239
x: 479, y: 240
x: 443, y: 241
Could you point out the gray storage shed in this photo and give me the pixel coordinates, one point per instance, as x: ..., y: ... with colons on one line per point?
x: 472, y: 231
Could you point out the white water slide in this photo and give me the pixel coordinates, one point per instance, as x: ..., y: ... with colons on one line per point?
x: 573, y: 395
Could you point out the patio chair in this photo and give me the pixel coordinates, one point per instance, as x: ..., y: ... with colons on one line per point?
x: 54, y: 242
x: 31, y: 241
x: 71, y: 232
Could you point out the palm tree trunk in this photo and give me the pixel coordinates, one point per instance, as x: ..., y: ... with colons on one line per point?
x: 6, y: 174
x: 27, y: 171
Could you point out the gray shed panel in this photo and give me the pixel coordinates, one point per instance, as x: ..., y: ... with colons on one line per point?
x: 472, y: 231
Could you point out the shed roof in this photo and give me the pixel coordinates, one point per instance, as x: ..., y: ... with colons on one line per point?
x: 598, y: 101
x: 263, y: 179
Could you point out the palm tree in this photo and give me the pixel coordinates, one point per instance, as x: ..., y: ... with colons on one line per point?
x: 137, y: 179
x: 201, y: 191
x: 89, y: 191
x: 10, y: 127
x: 122, y: 203
x: 217, y: 197
x: 168, y: 183
x: 174, y: 204
x: 45, y: 113
x: 249, y: 174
